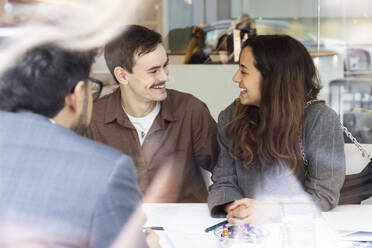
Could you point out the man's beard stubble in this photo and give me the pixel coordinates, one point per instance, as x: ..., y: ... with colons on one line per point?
x: 82, y: 124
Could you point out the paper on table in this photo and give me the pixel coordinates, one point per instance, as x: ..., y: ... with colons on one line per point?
x: 188, y: 218
x: 358, y: 236
x: 184, y: 224
x: 349, y: 221
x: 159, y: 214
x: 183, y: 240
x: 164, y: 240
x: 193, y: 220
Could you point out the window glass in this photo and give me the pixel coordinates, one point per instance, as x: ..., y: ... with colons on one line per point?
x: 336, y: 33
x: 345, y: 29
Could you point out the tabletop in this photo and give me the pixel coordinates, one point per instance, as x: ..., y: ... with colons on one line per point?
x: 185, y: 225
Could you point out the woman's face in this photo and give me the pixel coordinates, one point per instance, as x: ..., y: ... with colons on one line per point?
x: 249, y: 79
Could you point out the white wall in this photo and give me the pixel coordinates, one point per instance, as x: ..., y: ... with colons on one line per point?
x: 210, y: 83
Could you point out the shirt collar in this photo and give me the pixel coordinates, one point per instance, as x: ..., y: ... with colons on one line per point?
x: 168, y: 110
x: 114, y: 111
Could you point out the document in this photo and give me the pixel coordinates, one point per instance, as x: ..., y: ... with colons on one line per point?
x: 351, y: 222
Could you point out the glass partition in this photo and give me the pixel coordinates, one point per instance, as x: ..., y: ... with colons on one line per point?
x: 336, y: 33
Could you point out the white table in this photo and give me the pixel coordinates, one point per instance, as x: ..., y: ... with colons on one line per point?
x: 184, y: 224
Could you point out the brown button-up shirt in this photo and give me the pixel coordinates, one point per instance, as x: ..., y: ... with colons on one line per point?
x: 182, y: 136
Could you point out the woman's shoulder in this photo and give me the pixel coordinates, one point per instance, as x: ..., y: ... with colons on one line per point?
x: 320, y: 109
x: 226, y: 115
x: 320, y: 113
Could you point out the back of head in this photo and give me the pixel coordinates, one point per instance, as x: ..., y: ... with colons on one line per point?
x: 134, y: 40
x: 244, y: 22
x: 42, y: 78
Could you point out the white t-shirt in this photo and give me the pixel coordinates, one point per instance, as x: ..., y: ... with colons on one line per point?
x: 143, y: 124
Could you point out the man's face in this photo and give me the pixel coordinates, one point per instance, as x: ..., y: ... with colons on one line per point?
x: 149, y: 75
x: 86, y: 114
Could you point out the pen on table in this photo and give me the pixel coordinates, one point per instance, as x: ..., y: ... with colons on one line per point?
x: 211, y: 228
x: 155, y: 228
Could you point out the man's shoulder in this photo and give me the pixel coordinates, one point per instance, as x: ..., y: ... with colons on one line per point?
x: 101, y: 156
x: 35, y: 131
x: 91, y: 146
x: 101, y: 105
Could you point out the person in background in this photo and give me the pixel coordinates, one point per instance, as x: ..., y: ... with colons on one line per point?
x: 195, y: 49
x: 57, y: 187
x: 275, y: 131
x: 245, y: 25
x: 156, y: 126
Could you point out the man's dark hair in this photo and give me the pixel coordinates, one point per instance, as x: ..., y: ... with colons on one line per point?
x: 42, y: 78
x: 134, y: 40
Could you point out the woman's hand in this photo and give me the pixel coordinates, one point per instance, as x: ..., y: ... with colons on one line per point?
x: 247, y: 210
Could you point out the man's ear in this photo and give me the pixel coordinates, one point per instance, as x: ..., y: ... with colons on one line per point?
x: 121, y: 75
x: 75, y: 99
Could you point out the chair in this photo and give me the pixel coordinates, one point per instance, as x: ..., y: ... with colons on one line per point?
x: 355, y: 162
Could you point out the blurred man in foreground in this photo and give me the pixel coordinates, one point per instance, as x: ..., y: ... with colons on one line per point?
x: 57, y: 188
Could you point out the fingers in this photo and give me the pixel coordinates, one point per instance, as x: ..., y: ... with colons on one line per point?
x: 152, y: 239
x: 227, y: 208
x: 247, y: 220
x: 240, y: 214
x: 256, y: 212
x: 237, y: 203
x: 244, y: 201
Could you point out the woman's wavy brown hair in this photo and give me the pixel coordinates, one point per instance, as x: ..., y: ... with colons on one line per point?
x: 269, y: 134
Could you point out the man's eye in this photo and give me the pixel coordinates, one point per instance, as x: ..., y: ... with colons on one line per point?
x: 153, y: 72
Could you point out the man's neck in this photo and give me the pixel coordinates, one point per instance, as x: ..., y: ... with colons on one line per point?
x: 136, y: 107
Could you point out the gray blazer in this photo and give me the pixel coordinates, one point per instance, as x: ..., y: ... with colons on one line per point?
x: 59, y: 189
x: 323, y: 141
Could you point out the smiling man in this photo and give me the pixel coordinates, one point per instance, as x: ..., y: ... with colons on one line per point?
x: 155, y: 125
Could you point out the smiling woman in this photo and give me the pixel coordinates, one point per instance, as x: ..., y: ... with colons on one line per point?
x: 261, y: 135
x: 249, y: 79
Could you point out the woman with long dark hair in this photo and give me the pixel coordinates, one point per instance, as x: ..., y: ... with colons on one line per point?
x: 275, y: 131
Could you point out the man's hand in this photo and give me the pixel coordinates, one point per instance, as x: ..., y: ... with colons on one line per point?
x: 152, y: 239
x: 247, y: 210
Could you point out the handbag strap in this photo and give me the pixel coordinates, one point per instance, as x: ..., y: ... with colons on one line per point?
x: 355, y: 141
x: 344, y: 129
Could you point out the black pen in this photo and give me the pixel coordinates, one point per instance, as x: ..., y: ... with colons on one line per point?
x: 156, y: 228
x: 215, y: 226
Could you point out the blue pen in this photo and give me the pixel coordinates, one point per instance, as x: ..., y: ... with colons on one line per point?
x: 215, y: 226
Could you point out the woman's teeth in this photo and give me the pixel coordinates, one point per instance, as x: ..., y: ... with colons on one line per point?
x: 161, y: 86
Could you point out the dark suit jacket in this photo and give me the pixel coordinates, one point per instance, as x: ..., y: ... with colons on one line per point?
x: 60, y: 189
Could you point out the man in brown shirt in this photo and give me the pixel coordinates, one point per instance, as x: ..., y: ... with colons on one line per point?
x: 154, y: 125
